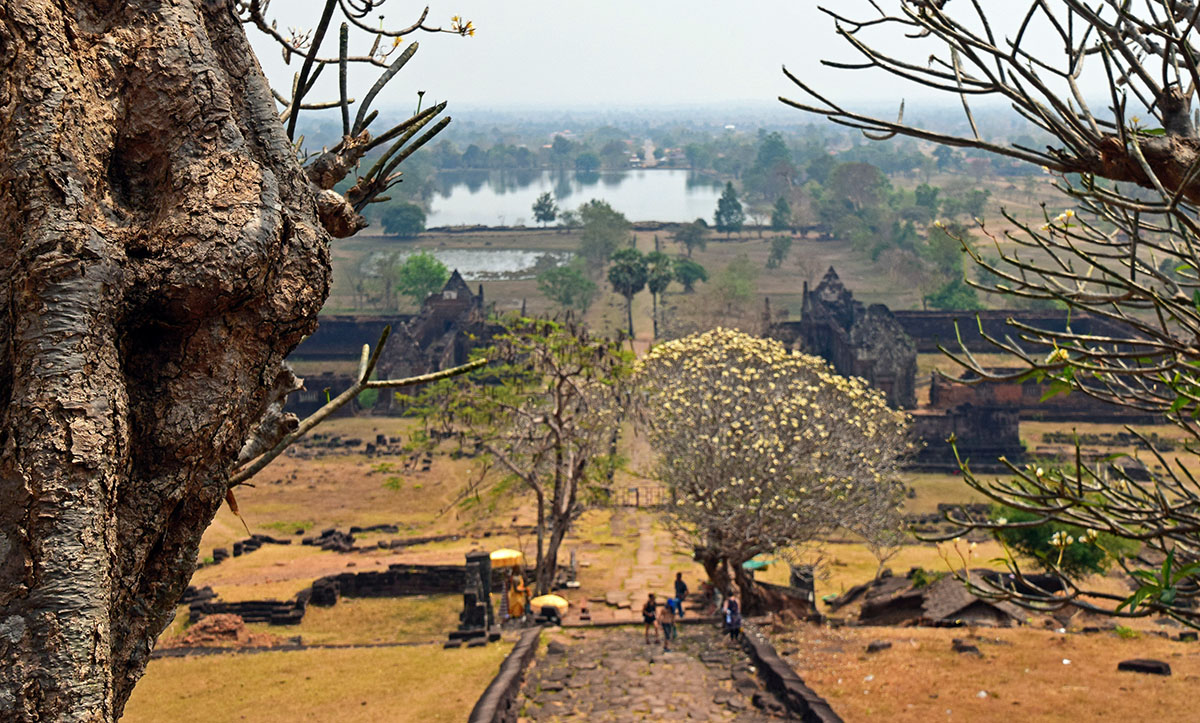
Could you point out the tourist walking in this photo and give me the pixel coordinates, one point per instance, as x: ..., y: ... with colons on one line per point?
x: 650, y: 618
x: 733, y: 617
x: 681, y: 588
x: 666, y: 619
x: 676, y: 606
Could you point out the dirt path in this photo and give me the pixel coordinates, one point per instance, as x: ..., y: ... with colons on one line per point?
x: 613, y: 675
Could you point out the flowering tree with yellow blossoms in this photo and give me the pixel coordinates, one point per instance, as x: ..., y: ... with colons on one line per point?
x: 763, y: 448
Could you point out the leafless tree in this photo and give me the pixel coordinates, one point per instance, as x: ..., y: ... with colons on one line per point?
x: 166, y: 245
x: 1124, y: 251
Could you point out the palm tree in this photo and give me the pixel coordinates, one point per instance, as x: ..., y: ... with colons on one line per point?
x: 628, y: 274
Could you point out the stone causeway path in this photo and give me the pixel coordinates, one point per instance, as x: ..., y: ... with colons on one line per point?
x: 611, y: 674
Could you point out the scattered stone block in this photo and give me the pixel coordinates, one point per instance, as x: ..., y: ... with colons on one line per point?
x: 555, y: 648
x: 1189, y: 636
x: 959, y: 646
x: 877, y: 645
x: 1145, y: 665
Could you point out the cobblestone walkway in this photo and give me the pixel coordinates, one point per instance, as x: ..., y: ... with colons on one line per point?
x: 611, y: 674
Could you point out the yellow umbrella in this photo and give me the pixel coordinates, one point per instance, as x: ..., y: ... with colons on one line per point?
x: 507, y: 558
x: 553, y: 600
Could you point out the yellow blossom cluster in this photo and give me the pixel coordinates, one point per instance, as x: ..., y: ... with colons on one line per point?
x: 772, y: 443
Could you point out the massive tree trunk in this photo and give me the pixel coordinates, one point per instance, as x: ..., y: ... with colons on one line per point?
x: 161, y: 254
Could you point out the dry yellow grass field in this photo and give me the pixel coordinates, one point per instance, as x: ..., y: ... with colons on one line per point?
x: 353, y: 685
x: 1024, y: 674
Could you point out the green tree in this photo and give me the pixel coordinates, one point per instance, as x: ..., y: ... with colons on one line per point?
x: 955, y: 295
x: 568, y: 286
x: 587, y: 162
x: 405, y: 220
x: 819, y: 168
x: 927, y: 197
x: 561, y: 149
x: 729, y: 216
x: 474, y: 157
x: 688, y: 273
x: 628, y: 275
x: 974, y: 201
x: 780, y: 246
x: 615, y: 154
x: 660, y: 272
x: 735, y: 285
x: 544, y: 209
x: 1055, y: 545
x: 947, y: 159
x: 568, y: 220
x: 781, y: 215
x: 420, y: 275
x: 692, y: 235
x: 862, y: 185
x: 944, y: 248
x: 604, y: 230
x: 699, y: 156
x: 545, y: 410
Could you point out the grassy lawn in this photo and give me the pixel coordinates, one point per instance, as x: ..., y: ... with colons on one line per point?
x: 418, y: 683
x: 422, y: 618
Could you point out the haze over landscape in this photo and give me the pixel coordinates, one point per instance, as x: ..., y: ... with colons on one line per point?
x: 557, y: 370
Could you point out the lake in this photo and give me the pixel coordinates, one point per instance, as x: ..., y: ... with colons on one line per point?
x: 505, y: 198
x: 480, y: 264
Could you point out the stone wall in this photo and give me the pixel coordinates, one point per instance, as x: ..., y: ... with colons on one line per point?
x: 779, y: 677
x: 341, y: 336
x: 983, y: 434
x: 498, y: 704
x: 397, y: 581
x: 929, y: 328
x: 1026, y: 397
x: 274, y: 612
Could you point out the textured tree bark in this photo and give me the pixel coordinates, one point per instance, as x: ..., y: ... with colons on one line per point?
x: 162, y: 253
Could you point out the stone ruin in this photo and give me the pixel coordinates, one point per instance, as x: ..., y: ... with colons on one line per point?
x: 477, y: 623
x: 451, y: 323
x: 942, y: 602
x: 870, y: 342
x: 857, y: 341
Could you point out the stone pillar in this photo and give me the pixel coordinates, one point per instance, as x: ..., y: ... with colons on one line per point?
x: 801, y: 578
x: 477, y: 619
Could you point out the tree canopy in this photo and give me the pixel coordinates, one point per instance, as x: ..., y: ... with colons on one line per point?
x: 688, y: 273
x: 691, y: 236
x: 544, y: 208
x: 628, y: 274
x: 420, y: 275
x: 402, y: 219
x: 568, y: 286
x: 604, y: 231
x: 546, y: 411
x: 763, y: 448
x: 729, y: 217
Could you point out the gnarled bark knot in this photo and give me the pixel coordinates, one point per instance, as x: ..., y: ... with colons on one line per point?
x: 164, y: 253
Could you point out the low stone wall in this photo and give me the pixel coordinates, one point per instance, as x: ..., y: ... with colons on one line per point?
x: 498, y: 704
x: 397, y: 581
x: 253, y: 611
x: 780, y: 679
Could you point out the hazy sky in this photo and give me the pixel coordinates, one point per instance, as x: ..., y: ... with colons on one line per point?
x: 619, y: 53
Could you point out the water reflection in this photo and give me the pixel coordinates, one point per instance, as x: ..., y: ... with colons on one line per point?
x: 492, y: 197
x: 478, y: 264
